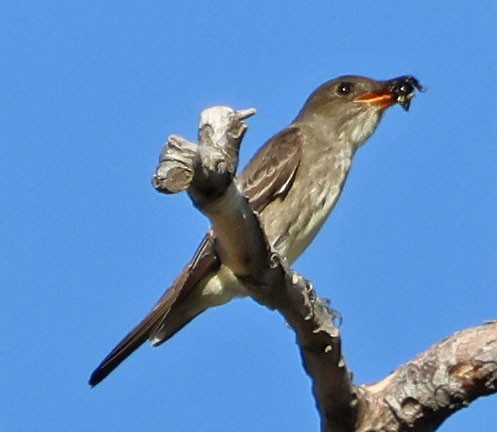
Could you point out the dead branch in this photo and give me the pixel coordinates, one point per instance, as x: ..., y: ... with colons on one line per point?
x: 421, y: 394
x: 418, y: 396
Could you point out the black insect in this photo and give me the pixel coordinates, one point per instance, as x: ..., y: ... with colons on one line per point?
x: 403, y: 90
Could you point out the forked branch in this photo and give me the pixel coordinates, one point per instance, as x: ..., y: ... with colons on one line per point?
x: 417, y: 396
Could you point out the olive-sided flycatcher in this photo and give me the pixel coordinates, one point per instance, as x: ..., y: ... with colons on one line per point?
x: 293, y: 182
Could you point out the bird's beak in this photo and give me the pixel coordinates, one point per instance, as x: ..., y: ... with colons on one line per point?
x: 398, y: 90
x: 382, y: 99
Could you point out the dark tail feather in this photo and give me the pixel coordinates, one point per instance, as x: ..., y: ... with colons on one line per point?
x: 202, y: 263
x: 136, y: 337
x: 125, y: 348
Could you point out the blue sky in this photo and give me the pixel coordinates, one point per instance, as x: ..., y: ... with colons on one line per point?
x: 89, y: 91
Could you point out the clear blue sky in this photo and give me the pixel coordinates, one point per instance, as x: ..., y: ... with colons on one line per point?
x: 89, y: 91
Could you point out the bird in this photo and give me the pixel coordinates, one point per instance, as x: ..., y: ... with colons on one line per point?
x: 293, y: 182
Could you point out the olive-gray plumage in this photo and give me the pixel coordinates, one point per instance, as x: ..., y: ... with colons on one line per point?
x: 293, y: 181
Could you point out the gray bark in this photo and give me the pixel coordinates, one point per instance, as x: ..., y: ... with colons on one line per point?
x: 418, y: 396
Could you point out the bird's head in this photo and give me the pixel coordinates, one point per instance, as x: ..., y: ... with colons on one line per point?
x: 353, y: 105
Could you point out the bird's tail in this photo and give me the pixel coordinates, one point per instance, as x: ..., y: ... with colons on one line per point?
x: 125, y: 348
x: 204, y: 261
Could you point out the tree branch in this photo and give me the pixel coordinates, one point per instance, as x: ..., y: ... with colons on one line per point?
x: 421, y: 394
x: 207, y: 171
x: 417, y: 396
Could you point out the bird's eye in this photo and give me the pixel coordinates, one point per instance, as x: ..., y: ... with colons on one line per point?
x: 344, y: 88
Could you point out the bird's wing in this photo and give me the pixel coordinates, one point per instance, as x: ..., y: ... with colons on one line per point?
x: 270, y: 173
x: 267, y: 177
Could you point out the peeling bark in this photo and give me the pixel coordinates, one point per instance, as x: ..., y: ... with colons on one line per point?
x: 421, y: 394
x: 418, y: 396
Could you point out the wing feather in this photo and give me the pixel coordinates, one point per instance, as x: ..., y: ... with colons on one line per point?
x: 270, y: 173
